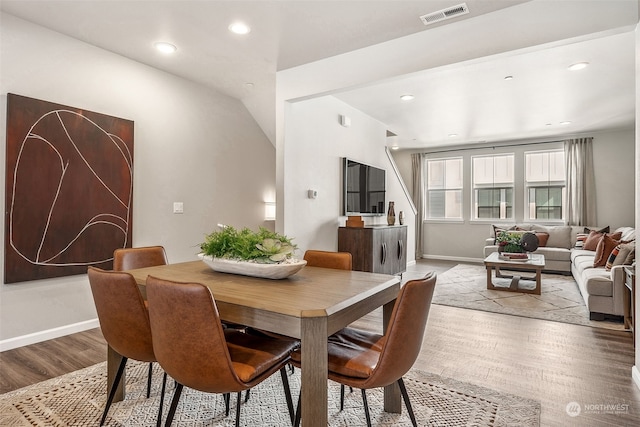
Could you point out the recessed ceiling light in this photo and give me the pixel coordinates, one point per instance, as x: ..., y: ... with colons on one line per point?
x: 165, y: 47
x: 407, y: 97
x: 578, y: 66
x: 239, y: 28
x: 453, y: 135
x: 565, y: 123
x: 508, y: 78
x: 395, y: 147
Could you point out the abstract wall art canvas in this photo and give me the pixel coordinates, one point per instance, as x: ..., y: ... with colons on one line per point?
x: 69, y: 189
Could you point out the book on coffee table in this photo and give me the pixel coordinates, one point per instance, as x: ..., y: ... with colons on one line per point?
x: 514, y: 256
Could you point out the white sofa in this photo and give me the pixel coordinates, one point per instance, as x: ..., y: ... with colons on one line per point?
x: 601, y: 289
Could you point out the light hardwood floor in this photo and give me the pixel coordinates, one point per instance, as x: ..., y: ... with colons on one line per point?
x: 554, y: 363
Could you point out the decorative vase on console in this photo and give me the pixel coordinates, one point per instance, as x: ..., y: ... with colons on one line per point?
x: 391, y: 214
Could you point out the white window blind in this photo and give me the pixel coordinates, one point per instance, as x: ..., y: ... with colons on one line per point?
x: 493, y: 180
x: 444, y: 188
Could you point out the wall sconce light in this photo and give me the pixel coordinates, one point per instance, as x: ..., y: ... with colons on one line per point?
x: 269, y: 211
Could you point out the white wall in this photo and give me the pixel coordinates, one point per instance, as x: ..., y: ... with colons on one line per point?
x: 614, y: 168
x: 191, y: 145
x: 614, y: 171
x: 314, y: 147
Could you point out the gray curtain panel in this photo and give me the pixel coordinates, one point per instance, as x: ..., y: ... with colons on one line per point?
x: 417, y: 194
x: 581, y: 188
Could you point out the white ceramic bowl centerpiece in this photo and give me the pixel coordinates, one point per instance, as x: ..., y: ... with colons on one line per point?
x: 265, y: 253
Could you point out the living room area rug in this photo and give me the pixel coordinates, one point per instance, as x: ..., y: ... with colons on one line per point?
x: 78, y: 398
x: 465, y: 286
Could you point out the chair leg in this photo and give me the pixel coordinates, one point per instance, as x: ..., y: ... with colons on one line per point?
x: 227, y: 398
x: 112, y: 390
x: 246, y: 396
x: 238, y: 409
x: 407, y: 402
x: 342, y: 395
x: 287, y: 393
x: 164, y: 387
x: 174, y: 404
x: 366, y: 407
x: 296, y: 423
x: 149, y: 379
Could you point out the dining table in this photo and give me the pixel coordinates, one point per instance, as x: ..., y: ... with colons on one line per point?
x: 310, y: 305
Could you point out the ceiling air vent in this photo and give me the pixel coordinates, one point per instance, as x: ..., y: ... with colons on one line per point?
x: 448, y: 13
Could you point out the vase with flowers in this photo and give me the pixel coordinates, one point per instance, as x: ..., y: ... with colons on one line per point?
x: 509, y: 242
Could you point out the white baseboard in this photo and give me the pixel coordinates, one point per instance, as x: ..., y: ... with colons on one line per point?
x: 453, y: 258
x: 48, y: 334
x: 635, y: 374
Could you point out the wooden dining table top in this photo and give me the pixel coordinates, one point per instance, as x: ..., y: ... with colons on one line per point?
x: 311, y: 292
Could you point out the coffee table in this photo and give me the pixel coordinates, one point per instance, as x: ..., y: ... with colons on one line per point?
x: 534, y: 262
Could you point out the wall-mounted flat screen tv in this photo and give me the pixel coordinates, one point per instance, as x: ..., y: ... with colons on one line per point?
x: 364, y: 188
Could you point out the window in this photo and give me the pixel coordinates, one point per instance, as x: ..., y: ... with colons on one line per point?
x: 493, y: 187
x: 545, y: 184
x: 444, y: 188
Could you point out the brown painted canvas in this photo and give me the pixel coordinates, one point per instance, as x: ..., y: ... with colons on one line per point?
x: 69, y: 189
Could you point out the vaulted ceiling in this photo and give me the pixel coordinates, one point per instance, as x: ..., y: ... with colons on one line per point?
x: 462, y: 103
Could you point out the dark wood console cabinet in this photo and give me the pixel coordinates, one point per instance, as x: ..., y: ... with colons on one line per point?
x: 378, y: 249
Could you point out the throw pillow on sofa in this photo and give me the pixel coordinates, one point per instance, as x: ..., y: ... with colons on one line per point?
x: 630, y: 259
x: 620, y: 255
x: 497, y: 229
x: 591, y: 243
x: 603, y: 230
x: 580, y: 239
x: 542, y: 236
x: 559, y: 236
x: 592, y: 240
x: 606, y: 245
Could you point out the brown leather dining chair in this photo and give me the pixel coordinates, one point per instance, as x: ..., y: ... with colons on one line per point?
x: 192, y: 346
x: 132, y: 258
x: 124, y: 321
x: 314, y: 258
x: 327, y: 259
x: 367, y: 360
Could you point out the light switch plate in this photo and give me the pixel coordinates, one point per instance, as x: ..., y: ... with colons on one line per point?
x: 178, y: 207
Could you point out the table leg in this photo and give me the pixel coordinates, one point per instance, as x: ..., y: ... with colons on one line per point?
x: 314, y: 377
x: 392, y: 396
x: 633, y: 321
x: 538, y: 288
x: 113, y: 361
x: 489, y: 281
x: 627, y: 307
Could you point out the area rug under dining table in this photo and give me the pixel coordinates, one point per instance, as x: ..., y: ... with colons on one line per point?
x: 465, y: 286
x: 77, y: 399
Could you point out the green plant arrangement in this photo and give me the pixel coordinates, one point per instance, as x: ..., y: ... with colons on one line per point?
x: 509, y: 242
x: 263, y: 246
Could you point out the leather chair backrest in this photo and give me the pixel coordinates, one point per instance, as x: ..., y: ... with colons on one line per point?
x: 327, y: 259
x: 188, y: 338
x: 123, y: 317
x: 405, y: 331
x: 132, y: 258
